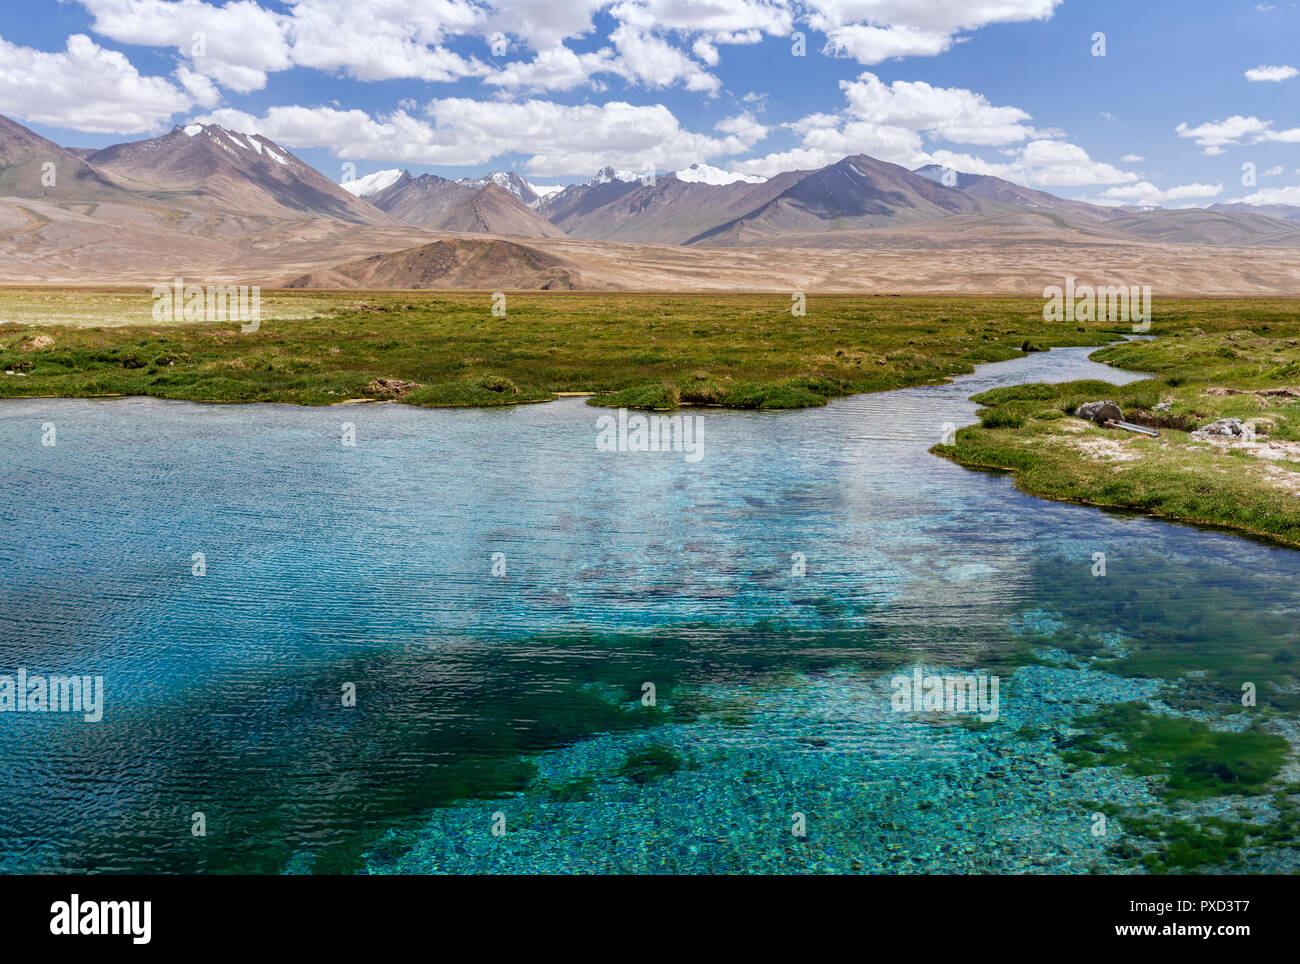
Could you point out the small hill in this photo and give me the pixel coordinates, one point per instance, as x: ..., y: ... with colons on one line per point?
x: 451, y: 263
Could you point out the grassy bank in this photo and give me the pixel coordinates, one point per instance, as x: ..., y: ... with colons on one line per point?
x: 648, y: 350
x: 1236, y: 362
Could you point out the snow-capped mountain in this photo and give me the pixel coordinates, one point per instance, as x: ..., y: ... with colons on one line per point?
x: 608, y: 175
x: 373, y: 184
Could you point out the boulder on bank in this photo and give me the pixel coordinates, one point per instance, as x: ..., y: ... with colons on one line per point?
x: 1099, y: 412
x: 1223, y: 428
x: 391, y: 387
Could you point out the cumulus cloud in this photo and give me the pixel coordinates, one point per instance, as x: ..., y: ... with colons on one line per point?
x: 557, y: 139
x: 652, y: 61
x: 1273, y: 74
x: 952, y: 113
x: 555, y: 68
x: 1056, y: 163
x: 88, y: 88
x: 236, y: 45
x: 243, y: 41
x: 869, y: 44
x: 1146, y: 194
x: 892, y: 121
x: 1216, y: 136
x: 1276, y: 195
x: 658, y: 43
x: 874, y: 30
x: 1213, y: 137
x: 1291, y: 136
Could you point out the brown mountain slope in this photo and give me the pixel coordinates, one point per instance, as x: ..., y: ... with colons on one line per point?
x: 23, y: 174
x: 494, y: 210
x: 1016, y: 195
x: 477, y: 206
x: 670, y: 211
x: 450, y: 263
x: 855, y: 193
x: 1201, y: 226
x: 209, y: 166
x: 419, y: 200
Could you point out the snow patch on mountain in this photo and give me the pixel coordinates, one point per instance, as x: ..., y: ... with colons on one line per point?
x: 608, y: 175
x: 372, y: 183
x: 707, y: 174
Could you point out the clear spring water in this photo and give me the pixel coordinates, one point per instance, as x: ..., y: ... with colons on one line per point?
x: 520, y: 693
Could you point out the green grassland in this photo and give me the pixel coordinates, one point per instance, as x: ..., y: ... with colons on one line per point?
x: 645, y: 350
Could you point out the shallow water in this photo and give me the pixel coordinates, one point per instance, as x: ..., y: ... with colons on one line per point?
x: 372, y: 565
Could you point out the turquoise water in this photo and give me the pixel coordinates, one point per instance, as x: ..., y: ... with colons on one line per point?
x: 520, y: 694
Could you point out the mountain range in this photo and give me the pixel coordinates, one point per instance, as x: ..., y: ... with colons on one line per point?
x: 202, y: 198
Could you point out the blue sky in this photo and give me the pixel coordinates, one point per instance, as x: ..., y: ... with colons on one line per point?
x: 556, y: 89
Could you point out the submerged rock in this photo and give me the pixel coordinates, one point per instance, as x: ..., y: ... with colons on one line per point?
x: 1099, y: 412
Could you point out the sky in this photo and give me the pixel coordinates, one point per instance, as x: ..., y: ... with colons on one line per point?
x: 1153, y: 102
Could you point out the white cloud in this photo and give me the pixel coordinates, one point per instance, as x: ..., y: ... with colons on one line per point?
x: 200, y: 88
x: 1276, y: 195
x: 1146, y: 194
x: 556, y: 68
x: 1272, y: 171
x: 970, y: 164
x: 541, y: 24
x: 87, y: 88
x: 875, y: 30
x: 236, y: 44
x: 1214, y: 136
x: 1055, y: 163
x: 400, y: 39
x: 652, y: 61
x: 392, y: 43
x: 1291, y: 136
x: 558, y: 139
x: 888, y: 121
x: 1274, y: 74
x: 870, y: 45
x: 743, y: 126
x: 952, y: 113
x: 1132, y: 158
